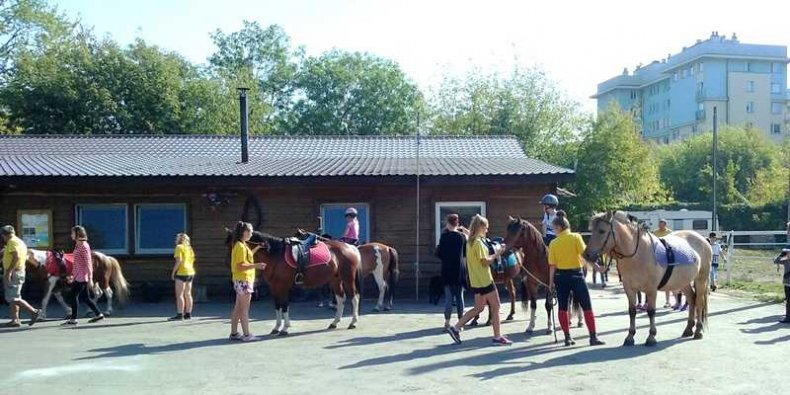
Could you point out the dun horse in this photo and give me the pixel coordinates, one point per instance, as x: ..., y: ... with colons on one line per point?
x: 649, y: 268
x: 341, y: 272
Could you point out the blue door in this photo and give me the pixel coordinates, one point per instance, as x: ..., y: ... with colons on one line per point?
x: 334, y: 219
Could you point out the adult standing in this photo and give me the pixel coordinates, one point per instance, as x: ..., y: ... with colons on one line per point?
x: 82, y: 276
x: 550, y: 203
x: 478, y: 263
x: 663, y: 231
x: 784, y: 259
x: 183, y: 274
x: 14, y: 256
x: 451, y: 252
x: 565, y: 271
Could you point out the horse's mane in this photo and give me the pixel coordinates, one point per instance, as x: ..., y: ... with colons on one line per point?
x: 620, y: 216
x: 276, y: 244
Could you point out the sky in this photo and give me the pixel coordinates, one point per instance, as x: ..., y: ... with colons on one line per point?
x: 577, y: 43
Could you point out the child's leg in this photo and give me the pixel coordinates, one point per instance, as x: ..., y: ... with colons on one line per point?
x: 179, y: 296
x: 480, y: 304
x: 244, y: 313
x: 188, y: 297
x: 234, y: 315
x: 493, y: 309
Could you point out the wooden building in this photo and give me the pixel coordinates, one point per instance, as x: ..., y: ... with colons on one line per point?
x: 135, y: 193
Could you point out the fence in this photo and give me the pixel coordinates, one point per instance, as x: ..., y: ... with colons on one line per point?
x: 769, y: 238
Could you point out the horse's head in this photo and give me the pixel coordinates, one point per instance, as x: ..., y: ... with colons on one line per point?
x: 521, y: 234
x: 271, y: 246
x: 605, y: 228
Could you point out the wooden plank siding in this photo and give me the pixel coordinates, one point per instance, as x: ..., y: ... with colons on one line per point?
x: 284, y: 207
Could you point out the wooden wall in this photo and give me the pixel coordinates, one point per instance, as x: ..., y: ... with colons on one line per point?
x: 392, y: 219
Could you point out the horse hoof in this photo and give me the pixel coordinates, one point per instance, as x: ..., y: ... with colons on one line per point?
x: 687, y: 333
x: 274, y: 332
x: 509, y: 318
x: 628, y: 342
x: 352, y: 326
x: 388, y: 308
x: 283, y: 333
x: 698, y: 336
x: 332, y: 326
x: 579, y: 324
x: 107, y: 313
x: 650, y: 342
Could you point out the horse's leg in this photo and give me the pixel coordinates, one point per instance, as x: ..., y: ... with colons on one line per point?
x: 577, y: 311
x: 651, y: 297
x: 378, y: 275
x: 108, y: 292
x: 549, y: 313
x: 511, y: 290
x: 66, y: 307
x: 278, y: 313
x: 340, y: 298
x: 690, y: 295
x: 354, y: 311
x: 530, y: 295
x: 629, y: 340
x: 51, y: 282
x: 286, y: 320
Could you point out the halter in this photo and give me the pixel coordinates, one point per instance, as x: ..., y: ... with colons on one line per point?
x: 522, y: 233
x: 612, y: 234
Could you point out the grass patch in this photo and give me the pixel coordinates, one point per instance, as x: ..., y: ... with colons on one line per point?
x: 753, y: 275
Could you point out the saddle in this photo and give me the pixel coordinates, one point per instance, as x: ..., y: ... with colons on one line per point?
x: 506, y: 260
x: 56, y: 267
x: 301, y: 257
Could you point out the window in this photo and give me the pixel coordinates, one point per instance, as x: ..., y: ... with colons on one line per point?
x: 750, y: 107
x: 776, y: 88
x: 776, y: 68
x: 701, y: 66
x: 107, y: 226
x: 675, y: 76
x: 691, y: 70
x: 776, y: 108
x: 699, y: 224
x: 333, y: 217
x: 156, y: 226
x: 677, y: 224
x: 749, y: 86
x: 683, y: 73
x: 776, y: 128
x: 465, y: 210
x: 749, y: 66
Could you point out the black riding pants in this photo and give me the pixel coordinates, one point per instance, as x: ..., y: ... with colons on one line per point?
x: 568, y: 281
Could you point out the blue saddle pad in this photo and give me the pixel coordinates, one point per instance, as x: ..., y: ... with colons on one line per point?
x: 507, y: 260
x: 681, y: 251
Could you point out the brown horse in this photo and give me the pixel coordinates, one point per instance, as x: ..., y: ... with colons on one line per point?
x: 341, y: 273
x: 507, y: 277
x: 381, y: 260
x: 107, y: 274
x: 618, y: 233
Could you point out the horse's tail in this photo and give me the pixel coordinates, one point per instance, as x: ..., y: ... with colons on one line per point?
x: 394, y: 269
x: 701, y: 285
x: 119, y: 281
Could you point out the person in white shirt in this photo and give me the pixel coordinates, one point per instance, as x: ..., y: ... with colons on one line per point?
x: 550, y: 203
x: 714, y: 262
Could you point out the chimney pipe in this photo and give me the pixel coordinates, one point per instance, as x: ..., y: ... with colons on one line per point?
x: 244, y: 127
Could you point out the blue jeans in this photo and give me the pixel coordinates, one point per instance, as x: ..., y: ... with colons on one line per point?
x: 453, y: 293
x: 714, y: 274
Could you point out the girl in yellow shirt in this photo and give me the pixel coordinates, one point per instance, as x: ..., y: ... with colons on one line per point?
x: 478, y: 264
x: 243, y: 269
x: 182, y: 274
x: 565, y: 271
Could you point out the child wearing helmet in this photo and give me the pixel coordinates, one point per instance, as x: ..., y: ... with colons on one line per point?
x: 550, y: 203
x: 351, y: 234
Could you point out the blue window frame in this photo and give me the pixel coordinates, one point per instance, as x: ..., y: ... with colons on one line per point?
x: 334, y: 219
x: 156, y: 226
x: 107, y: 226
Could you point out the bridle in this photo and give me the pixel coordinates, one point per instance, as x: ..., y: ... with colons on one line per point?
x: 613, y: 235
x: 522, y: 234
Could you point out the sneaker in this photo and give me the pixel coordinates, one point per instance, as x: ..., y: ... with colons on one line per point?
x: 454, y: 334
x: 235, y: 336
x: 12, y: 324
x: 34, y: 317
x: 249, y: 338
x: 69, y: 323
x: 501, y: 341
x: 97, y: 318
x: 177, y: 317
x: 187, y: 316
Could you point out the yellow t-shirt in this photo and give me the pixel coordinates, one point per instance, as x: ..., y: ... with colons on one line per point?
x: 660, y: 233
x: 241, y: 254
x: 565, y: 252
x: 14, y: 244
x: 479, y: 272
x: 187, y: 257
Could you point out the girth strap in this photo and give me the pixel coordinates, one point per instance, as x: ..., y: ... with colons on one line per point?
x: 670, y: 264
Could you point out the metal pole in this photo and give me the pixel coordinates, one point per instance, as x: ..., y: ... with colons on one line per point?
x: 714, y: 224
x: 417, y: 247
x: 244, y: 124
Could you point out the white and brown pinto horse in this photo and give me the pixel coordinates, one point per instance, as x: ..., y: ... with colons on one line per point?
x: 382, y: 261
x: 51, y: 267
x: 618, y: 234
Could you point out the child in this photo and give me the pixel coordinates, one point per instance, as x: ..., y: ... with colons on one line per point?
x: 243, y: 269
x: 714, y: 263
x: 550, y: 203
x: 351, y: 234
x: 183, y: 273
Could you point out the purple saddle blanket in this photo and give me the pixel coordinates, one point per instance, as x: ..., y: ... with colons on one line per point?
x: 679, y: 252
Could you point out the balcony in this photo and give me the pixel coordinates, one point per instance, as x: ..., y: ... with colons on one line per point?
x: 700, y: 115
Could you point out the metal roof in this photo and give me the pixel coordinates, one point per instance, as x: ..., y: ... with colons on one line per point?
x: 190, y: 155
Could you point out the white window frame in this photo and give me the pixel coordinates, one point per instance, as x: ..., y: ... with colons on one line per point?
x: 357, y: 205
x: 750, y: 107
x: 78, y: 218
x: 777, y: 86
x: 138, y: 250
x: 750, y: 86
x: 437, y: 216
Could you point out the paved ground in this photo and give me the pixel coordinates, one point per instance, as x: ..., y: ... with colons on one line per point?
x: 745, y: 352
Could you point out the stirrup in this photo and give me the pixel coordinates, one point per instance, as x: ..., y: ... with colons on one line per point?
x: 299, y: 279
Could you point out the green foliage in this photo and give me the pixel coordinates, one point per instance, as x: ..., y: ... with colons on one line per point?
x: 23, y: 24
x: 353, y: 94
x: 524, y: 103
x: 615, y: 167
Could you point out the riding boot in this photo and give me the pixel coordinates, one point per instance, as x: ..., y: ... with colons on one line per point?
x: 594, y: 341
x: 787, y: 314
x: 569, y: 340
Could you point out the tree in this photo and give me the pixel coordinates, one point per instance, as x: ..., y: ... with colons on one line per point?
x: 615, y: 167
x: 22, y: 24
x: 750, y: 168
x: 524, y: 103
x: 346, y: 93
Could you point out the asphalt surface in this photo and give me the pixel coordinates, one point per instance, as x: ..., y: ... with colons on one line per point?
x: 745, y: 351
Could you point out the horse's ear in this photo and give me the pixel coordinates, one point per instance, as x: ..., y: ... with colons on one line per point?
x: 510, y: 218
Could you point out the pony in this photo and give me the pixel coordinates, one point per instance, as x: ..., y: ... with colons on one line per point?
x: 382, y: 261
x: 342, y: 273
x: 50, y: 267
x: 617, y: 234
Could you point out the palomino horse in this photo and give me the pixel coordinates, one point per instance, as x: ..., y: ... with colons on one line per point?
x: 617, y: 234
x: 341, y: 273
x: 381, y: 260
x: 49, y: 268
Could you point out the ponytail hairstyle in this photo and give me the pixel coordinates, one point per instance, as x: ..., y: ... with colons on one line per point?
x: 475, y: 227
x: 238, y: 231
x: 183, y: 238
x: 80, y: 233
x: 561, y: 220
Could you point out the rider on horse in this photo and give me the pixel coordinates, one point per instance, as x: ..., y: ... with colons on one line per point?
x: 550, y: 203
x: 351, y: 234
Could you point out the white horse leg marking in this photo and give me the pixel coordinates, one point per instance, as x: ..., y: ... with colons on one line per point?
x: 532, y: 316
x: 279, y: 314
x: 287, y: 320
x: 378, y: 274
x: 108, y: 292
x: 341, y: 301
x: 355, y: 309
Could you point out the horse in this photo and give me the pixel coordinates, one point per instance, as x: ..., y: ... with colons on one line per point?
x: 381, y: 260
x: 617, y: 233
x: 341, y: 272
x: 50, y: 267
x: 507, y: 277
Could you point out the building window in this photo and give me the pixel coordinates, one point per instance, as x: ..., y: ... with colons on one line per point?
x: 333, y: 217
x: 107, y: 226
x: 465, y: 211
x: 701, y: 66
x: 776, y: 88
x: 683, y: 73
x: 675, y: 76
x: 749, y: 86
x: 677, y: 224
x: 156, y: 226
x: 699, y: 224
x: 748, y: 66
x: 776, y: 108
x: 693, y: 129
x: 691, y: 70
x: 776, y: 128
x: 749, y: 107
x: 776, y: 68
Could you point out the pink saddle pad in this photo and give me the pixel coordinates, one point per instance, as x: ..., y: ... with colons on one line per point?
x: 52, y: 267
x: 319, y: 255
